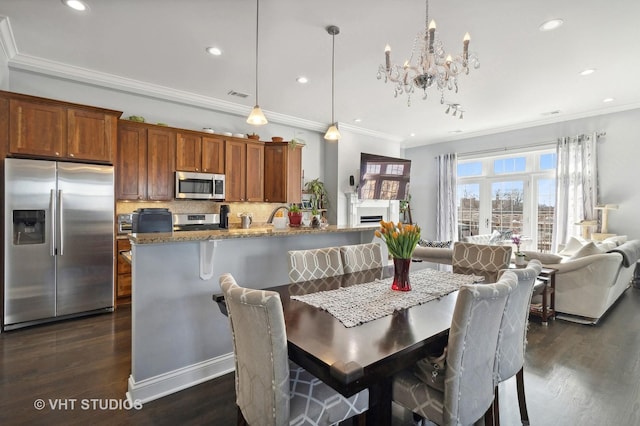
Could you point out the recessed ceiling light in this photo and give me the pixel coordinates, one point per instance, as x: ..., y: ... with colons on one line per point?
x: 551, y: 24
x: 606, y: 100
x: 75, y: 4
x: 215, y: 51
x: 588, y: 71
x: 302, y: 79
x: 357, y: 120
x: 412, y: 134
x: 455, y: 131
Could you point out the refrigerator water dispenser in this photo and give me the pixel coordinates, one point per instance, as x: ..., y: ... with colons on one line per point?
x: 28, y: 227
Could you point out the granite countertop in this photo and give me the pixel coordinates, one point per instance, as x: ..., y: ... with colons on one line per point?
x: 256, y: 232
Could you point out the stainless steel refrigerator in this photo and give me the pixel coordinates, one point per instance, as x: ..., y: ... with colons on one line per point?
x: 58, y: 248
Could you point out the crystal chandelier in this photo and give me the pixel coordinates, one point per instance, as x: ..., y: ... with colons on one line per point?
x: 432, y: 66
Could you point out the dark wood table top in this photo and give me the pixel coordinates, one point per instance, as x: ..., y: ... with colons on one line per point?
x: 355, y: 358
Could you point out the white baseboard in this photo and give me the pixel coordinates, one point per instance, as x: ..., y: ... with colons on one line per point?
x: 177, y: 380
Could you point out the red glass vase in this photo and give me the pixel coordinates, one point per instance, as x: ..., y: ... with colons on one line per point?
x: 401, y: 274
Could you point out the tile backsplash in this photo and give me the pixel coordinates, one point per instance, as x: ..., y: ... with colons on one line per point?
x: 260, y: 211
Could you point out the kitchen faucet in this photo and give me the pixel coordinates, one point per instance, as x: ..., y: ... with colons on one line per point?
x: 273, y: 213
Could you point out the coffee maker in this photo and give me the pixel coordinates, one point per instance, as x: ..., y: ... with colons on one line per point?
x: 224, y: 216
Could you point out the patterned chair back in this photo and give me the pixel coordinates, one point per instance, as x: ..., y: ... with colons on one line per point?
x: 471, y: 354
x: 270, y: 389
x: 480, y: 259
x: 513, y: 329
x: 360, y: 257
x: 312, y: 264
x: 260, y: 347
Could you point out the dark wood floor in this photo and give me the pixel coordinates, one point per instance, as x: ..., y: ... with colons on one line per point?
x: 575, y: 375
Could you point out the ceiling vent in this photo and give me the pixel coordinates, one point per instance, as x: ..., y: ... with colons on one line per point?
x: 238, y: 94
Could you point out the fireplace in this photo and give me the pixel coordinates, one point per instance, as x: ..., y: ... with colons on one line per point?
x: 370, y: 212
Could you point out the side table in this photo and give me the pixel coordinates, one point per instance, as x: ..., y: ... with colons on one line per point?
x: 548, y: 308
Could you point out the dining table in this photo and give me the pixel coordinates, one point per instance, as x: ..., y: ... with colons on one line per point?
x: 351, y: 357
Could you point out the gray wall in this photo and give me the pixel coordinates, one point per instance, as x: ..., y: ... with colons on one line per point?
x: 618, y: 154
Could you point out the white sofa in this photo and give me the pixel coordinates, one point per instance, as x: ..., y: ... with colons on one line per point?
x: 588, y: 285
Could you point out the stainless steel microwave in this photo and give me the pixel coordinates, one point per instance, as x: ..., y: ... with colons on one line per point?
x: 199, y: 186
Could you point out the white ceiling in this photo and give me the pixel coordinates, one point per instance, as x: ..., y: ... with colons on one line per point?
x: 524, y: 73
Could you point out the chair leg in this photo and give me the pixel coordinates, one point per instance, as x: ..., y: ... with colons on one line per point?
x: 522, y: 401
x: 489, y: 419
x: 496, y: 407
x: 360, y: 419
x: 241, y: 421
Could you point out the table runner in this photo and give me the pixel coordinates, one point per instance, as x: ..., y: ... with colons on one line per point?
x: 361, y: 303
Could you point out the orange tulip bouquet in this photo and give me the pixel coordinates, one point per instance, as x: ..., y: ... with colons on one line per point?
x: 401, y: 240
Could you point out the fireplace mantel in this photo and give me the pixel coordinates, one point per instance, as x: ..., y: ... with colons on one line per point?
x: 368, y: 212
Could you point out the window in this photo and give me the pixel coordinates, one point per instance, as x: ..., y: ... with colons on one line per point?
x: 509, y: 193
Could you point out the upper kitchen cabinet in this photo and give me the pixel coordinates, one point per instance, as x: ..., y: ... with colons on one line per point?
x: 91, y: 135
x: 196, y: 153
x: 282, y: 173
x: 47, y: 128
x: 244, y: 170
x: 145, y: 165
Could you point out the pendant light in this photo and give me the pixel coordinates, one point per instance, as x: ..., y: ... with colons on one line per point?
x: 256, y: 117
x: 332, y: 133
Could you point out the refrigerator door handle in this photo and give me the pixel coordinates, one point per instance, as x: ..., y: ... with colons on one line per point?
x: 61, y: 221
x: 52, y: 210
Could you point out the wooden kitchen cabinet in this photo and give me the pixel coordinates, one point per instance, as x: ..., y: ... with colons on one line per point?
x: 37, y: 129
x: 212, y: 155
x: 145, y: 163
x: 196, y: 153
x: 161, y: 154
x: 244, y: 170
x: 282, y: 173
x: 41, y: 127
x: 255, y: 171
x: 91, y: 135
x: 123, y: 277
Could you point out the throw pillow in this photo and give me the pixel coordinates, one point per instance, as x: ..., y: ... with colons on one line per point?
x: 606, y: 245
x: 572, y: 246
x: 496, y: 237
x: 506, y: 235
x: 431, y: 370
x: 618, y: 239
x: 435, y: 244
x: 586, y: 250
x: 544, y: 258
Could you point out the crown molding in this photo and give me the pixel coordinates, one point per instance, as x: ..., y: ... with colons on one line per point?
x: 7, y: 42
x: 115, y: 82
x: 561, y: 118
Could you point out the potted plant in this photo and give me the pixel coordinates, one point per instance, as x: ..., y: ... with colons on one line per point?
x: 295, y: 216
x: 319, y: 196
x: 294, y: 142
x: 519, y: 256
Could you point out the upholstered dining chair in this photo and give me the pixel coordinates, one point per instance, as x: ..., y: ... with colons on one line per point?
x: 470, y: 358
x: 312, y: 264
x: 513, y: 336
x: 271, y: 389
x: 480, y: 259
x: 359, y: 257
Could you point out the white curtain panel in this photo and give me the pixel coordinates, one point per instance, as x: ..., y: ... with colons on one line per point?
x: 577, y: 185
x: 447, y: 211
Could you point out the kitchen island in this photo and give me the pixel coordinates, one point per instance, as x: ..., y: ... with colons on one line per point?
x: 179, y: 336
